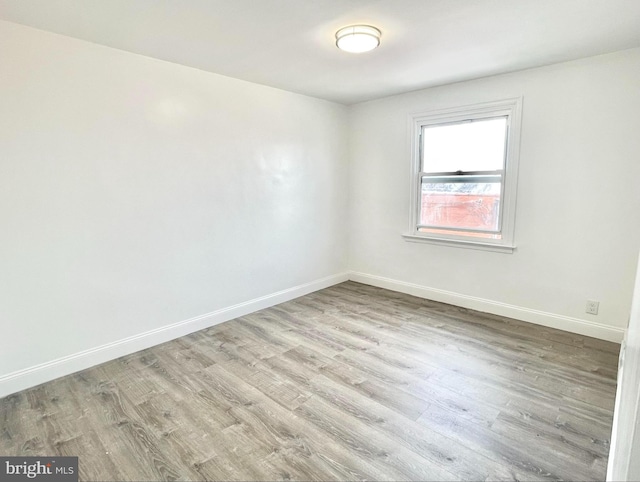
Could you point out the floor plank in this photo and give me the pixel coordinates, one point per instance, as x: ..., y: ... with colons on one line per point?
x: 348, y: 383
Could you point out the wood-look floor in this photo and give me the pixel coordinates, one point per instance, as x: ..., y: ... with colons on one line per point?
x: 351, y: 382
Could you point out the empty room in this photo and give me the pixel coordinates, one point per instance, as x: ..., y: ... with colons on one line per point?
x: 319, y: 240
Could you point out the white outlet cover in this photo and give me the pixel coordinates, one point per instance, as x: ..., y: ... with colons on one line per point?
x: 592, y: 307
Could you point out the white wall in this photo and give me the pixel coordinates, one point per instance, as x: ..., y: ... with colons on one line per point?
x: 136, y: 194
x: 624, y: 463
x: 141, y: 200
x: 578, y: 198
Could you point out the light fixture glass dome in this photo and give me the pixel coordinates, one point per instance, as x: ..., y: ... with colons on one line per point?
x: 358, y: 38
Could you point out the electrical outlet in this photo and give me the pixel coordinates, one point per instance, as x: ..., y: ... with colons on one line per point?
x: 592, y: 307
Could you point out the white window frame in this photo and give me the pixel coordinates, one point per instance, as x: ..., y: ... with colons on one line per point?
x: 512, y: 109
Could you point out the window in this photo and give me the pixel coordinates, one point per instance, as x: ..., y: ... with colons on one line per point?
x: 464, y: 176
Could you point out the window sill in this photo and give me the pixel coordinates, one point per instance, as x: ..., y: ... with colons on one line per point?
x: 460, y: 243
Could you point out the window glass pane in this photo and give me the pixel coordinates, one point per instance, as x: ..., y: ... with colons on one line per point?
x: 461, y: 205
x: 477, y: 145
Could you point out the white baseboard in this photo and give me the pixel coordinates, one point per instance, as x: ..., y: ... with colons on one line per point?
x: 551, y: 320
x: 30, y: 377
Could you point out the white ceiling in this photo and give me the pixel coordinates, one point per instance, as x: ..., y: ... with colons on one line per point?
x: 289, y: 44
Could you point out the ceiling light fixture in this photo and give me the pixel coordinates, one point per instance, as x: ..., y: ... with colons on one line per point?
x: 358, y: 38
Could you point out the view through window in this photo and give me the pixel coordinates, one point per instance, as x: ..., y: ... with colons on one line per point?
x: 461, y: 176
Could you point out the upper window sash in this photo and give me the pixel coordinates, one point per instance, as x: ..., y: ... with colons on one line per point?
x: 479, y: 118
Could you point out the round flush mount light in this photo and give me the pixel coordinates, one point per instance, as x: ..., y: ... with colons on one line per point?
x: 358, y: 38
